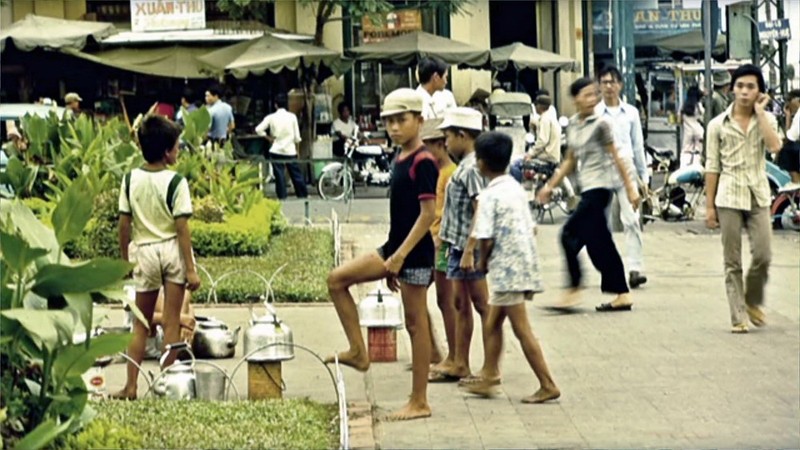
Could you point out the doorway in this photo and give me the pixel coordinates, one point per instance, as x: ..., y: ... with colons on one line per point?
x: 514, y: 21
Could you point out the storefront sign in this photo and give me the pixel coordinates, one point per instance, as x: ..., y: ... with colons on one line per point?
x: 657, y: 20
x: 162, y: 15
x: 774, y: 29
x: 394, y: 24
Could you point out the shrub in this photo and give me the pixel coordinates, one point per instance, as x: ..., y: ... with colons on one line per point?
x: 290, y: 423
x: 307, y: 253
x: 104, y: 434
x: 209, y: 210
x: 239, y: 235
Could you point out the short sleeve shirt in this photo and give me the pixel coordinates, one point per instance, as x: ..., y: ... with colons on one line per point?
x: 503, y: 216
x: 413, y: 181
x: 441, y: 185
x: 738, y: 157
x: 463, y: 187
x: 154, y: 200
x: 221, y: 116
x: 588, y: 138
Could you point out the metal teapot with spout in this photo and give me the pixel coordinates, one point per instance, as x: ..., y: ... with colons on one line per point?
x: 266, y: 330
x: 178, y: 381
x: 380, y: 309
x: 213, y: 340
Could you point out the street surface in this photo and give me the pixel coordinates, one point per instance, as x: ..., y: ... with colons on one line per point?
x: 668, y: 374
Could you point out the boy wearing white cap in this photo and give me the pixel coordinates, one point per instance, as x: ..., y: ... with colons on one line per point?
x: 461, y: 127
x: 406, y: 259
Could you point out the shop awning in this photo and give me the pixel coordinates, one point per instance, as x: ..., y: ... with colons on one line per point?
x: 689, y: 42
x: 269, y: 53
x: 174, y: 61
x: 55, y: 34
x: 411, y: 47
x: 525, y: 57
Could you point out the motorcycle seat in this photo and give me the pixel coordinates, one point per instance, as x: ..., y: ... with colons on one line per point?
x: 371, y: 150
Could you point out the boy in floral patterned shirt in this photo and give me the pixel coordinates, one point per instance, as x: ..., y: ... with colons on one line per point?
x: 505, y: 229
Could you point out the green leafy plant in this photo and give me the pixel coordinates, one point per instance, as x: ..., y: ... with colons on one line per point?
x: 42, y: 389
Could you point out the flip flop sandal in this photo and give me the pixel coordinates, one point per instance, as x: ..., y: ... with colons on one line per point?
x: 608, y: 307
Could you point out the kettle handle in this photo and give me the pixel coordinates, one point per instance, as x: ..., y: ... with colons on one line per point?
x: 176, y: 346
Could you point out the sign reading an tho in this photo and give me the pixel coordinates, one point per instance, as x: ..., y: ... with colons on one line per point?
x: 162, y: 15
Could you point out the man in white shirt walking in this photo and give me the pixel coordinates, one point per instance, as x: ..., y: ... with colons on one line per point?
x: 284, y: 134
x: 630, y: 143
x: 432, y: 75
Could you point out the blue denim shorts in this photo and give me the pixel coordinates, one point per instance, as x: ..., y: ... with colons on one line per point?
x: 455, y: 272
x: 417, y: 276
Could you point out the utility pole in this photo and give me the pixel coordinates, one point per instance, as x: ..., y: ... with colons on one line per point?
x: 622, y: 45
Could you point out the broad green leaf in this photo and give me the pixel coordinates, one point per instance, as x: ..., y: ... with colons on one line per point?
x: 71, y: 400
x: 31, y: 229
x: 48, y: 329
x: 73, y: 211
x: 17, y: 253
x: 35, y: 128
x: 81, y: 303
x: 34, y: 387
x: 75, y: 360
x: 57, y: 279
x: 43, y: 435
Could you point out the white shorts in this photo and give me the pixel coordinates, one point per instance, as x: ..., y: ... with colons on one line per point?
x: 509, y: 298
x: 156, y: 264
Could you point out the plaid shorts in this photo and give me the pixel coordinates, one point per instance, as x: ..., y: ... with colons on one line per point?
x: 417, y: 276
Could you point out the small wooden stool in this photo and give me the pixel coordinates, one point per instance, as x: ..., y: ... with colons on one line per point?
x: 264, y: 380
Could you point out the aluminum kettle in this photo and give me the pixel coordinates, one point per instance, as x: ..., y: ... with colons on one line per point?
x: 268, y: 330
x: 213, y: 340
x: 178, y: 381
x: 380, y: 309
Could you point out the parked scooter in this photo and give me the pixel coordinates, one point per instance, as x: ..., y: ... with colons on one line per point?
x: 786, y: 208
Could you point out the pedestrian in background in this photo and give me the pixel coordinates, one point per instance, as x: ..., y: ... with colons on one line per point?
x: 720, y: 98
x: 187, y: 104
x: 789, y: 157
x: 629, y: 143
x: 432, y: 75
x: 222, y: 122
x: 737, y: 192
x: 692, y: 128
x: 284, y: 135
x: 508, y: 256
x: 72, y: 103
x: 591, y: 149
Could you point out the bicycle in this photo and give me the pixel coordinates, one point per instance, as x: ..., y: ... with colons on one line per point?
x: 338, y: 178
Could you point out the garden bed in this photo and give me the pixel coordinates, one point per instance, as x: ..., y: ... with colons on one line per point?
x: 307, y: 253
x: 154, y: 423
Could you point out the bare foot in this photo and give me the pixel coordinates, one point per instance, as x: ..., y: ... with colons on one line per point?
x: 622, y: 300
x: 410, y: 411
x: 483, y: 387
x: 352, y: 359
x: 449, y: 367
x: 543, y: 395
x: 570, y: 298
x: 122, y: 395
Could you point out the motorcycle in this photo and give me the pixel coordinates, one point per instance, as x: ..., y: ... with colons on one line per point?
x: 369, y: 164
x: 535, y: 173
x: 786, y: 208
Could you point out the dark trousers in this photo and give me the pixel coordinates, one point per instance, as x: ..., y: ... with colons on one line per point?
x: 587, y: 226
x: 294, y: 172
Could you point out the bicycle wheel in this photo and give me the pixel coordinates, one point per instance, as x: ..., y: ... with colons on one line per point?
x: 334, y: 184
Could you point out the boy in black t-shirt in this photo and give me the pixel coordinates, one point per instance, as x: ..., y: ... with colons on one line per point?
x: 406, y: 259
